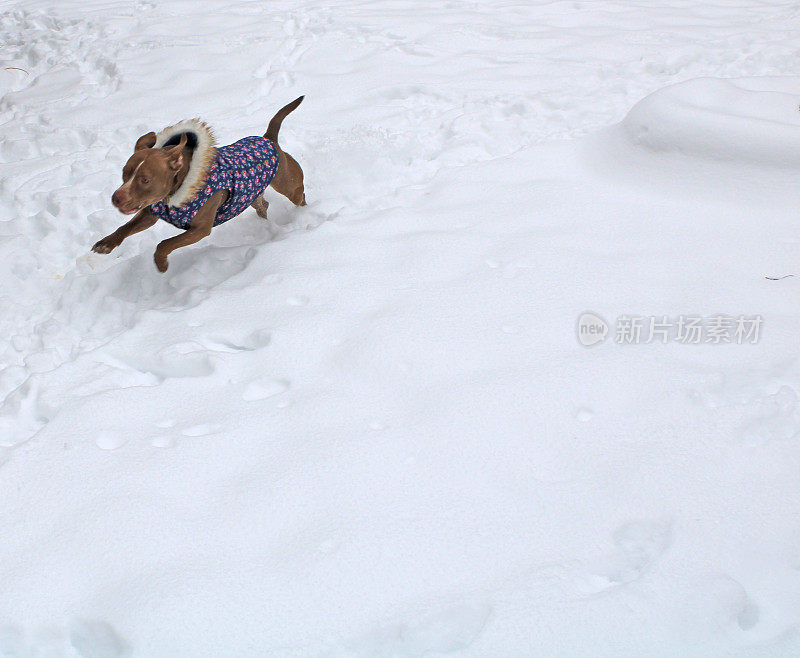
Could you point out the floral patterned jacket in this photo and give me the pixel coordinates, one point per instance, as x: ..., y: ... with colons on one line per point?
x: 244, y: 168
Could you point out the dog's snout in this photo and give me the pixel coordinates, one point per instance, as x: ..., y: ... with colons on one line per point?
x: 116, y: 198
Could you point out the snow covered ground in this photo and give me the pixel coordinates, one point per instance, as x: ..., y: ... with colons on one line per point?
x: 367, y: 427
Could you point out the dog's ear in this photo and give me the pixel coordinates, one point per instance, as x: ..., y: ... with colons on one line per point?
x: 175, y: 158
x: 147, y: 141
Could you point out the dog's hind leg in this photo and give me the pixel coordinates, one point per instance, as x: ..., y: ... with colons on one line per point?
x: 289, y: 179
x: 260, y: 205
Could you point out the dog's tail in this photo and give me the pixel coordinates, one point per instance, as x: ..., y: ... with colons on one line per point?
x: 275, y: 122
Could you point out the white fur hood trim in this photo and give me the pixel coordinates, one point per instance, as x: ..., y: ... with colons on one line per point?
x: 205, y: 153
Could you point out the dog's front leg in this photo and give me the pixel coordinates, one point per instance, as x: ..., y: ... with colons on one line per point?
x: 143, y: 220
x: 199, y: 227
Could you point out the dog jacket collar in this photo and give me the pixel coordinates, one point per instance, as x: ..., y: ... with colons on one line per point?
x: 201, y: 138
x: 244, y: 168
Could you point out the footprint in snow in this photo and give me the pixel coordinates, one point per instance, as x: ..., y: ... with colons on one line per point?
x: 249, y: 343
x: 204, y: 429
x: 639, y: 544
x: 169, y: 364
x: 163, y: 441
x: 261, y: 389
x: 715, y: 604
x: 759, y: 414
x: 108, y: 440
x: 771, y: 417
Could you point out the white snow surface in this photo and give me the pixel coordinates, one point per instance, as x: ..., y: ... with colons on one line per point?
x: 366, y: 427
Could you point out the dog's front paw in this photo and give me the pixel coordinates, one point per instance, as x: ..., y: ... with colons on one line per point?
x: 161, y: 261
x: 105, y: 246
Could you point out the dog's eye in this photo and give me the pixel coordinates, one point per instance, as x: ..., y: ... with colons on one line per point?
x: 144, y: 180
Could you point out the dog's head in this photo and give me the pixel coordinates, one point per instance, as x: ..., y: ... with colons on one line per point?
x: 149, y: 175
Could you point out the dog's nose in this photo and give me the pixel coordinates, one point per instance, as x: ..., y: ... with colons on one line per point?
x: 116, y: 198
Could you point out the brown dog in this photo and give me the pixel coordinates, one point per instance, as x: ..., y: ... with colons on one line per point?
x: 179, y: 175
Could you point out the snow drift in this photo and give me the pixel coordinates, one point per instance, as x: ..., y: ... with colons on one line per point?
x: 754, y: 120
